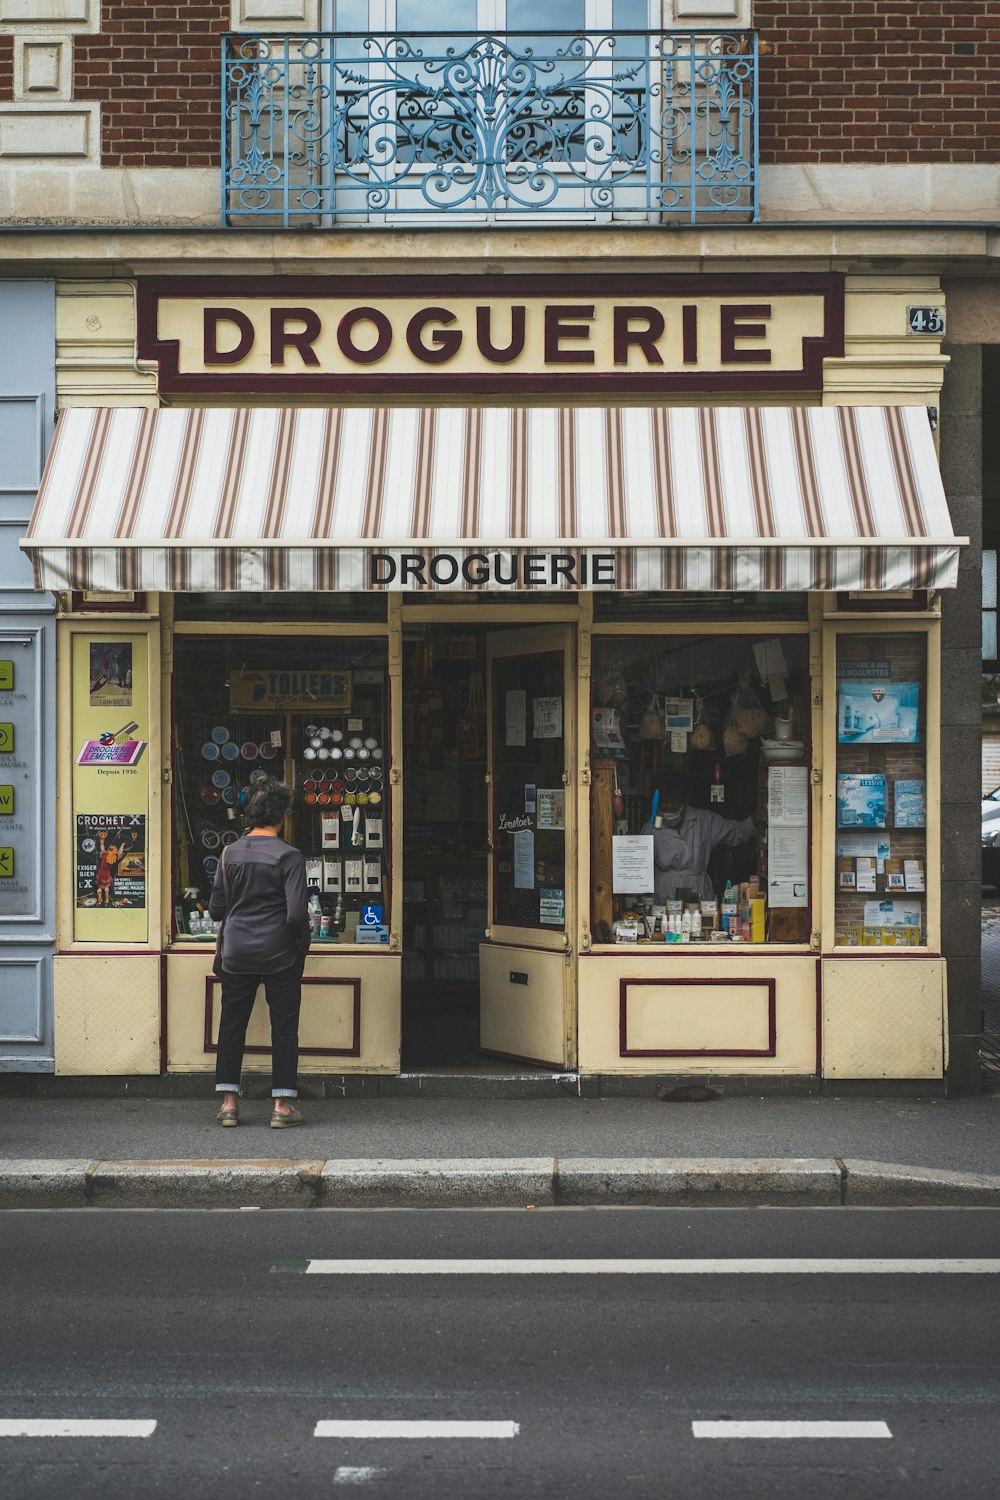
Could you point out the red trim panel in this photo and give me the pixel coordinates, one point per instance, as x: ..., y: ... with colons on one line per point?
x: 354, y: 1050
x: 624, y: 1050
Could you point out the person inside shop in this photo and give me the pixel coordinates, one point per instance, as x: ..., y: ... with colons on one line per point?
x: 260, y: 890
x: 684, y: 838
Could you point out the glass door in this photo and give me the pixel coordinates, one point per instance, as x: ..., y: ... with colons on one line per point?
x: 527, y: 980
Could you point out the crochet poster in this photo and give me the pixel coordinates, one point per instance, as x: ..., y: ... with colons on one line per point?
x: 111, y: 860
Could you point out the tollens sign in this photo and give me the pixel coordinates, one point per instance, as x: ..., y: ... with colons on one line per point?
x: 490, y: 335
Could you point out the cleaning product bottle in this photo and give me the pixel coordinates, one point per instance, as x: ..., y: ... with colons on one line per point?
x: 315, y: 910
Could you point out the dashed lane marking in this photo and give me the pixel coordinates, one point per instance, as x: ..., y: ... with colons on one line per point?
x: 758, y: 1267
x: 373, y: 1429
x: 60, y: 1427
x: 790, y: 1430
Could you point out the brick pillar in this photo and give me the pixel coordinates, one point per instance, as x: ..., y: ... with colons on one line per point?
x: 961, y: 714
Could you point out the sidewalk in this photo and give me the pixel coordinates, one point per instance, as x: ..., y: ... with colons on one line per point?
x: 393, y: 1152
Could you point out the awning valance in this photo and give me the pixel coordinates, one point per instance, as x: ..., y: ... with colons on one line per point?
x: 724, y: 498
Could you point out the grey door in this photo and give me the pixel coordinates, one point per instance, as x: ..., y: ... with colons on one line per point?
x: 27, y: 686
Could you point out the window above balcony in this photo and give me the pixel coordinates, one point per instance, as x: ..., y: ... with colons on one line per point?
x: 603, y: 120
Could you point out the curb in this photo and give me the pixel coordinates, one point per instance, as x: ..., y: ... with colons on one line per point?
x: 491, y: 1182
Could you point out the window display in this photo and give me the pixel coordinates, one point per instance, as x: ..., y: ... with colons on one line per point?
x: 700, y: 801
x: 881, y: 791
x: 315, y: 715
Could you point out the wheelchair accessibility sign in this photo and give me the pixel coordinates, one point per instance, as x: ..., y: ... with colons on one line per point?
x: 370, y: 927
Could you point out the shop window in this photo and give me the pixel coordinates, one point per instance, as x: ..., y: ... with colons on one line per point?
x: 685, y: 607
x: 314, y: 714
x: 881, y: 791
x: 260, y: 608
x: 700, y: 789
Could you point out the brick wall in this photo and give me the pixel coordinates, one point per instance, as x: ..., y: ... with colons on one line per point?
x: 154, y: 67
x: 849, y: 81
x: 900, y: 80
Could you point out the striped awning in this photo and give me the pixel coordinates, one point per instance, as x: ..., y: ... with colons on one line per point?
x: 723, y: 498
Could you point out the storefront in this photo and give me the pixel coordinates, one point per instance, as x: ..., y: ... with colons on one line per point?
x: 482, y: 642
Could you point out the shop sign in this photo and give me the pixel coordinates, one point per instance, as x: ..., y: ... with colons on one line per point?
x: 102, y: 753
x: 490, y: 334
x: 289, y: 688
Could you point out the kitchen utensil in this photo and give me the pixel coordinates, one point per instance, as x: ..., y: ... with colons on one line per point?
x: 229, y: 795
x: 220, y: 778
x: 248, y: 750
x: 210, y: 794
x: 230, y: 751
x: 220, y: 734
x: 210, y: 750
x: 267, y: 751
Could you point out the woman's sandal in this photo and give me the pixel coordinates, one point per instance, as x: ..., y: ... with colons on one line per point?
x: 278, y: 1122
x: 228, y: 1115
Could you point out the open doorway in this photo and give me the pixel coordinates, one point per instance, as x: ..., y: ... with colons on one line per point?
x: 445, y: 843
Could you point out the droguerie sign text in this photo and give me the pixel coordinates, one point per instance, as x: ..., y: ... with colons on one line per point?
x: 492, y: 334
x: 546, y: 570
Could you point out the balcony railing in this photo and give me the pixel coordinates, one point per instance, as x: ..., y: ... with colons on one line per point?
x: 636, y: 126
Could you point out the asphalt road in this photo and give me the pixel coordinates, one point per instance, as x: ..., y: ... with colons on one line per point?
x: 207, y: 1325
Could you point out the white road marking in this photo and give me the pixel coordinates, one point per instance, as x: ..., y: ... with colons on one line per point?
x: 416, y: 1430
x: 761, y: 1267
x: 53, y: 1427
x: 790, y: 1430
x: 345, y: 1474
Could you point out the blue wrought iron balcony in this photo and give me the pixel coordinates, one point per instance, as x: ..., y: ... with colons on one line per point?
x: 626, y: 127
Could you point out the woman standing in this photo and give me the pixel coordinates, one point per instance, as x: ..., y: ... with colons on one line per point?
x: 260, y: 889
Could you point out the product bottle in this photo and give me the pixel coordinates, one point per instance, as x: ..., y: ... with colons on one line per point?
x: 686, y: 926
x: 337, y: 924
x: 696, y: 926
x: 315, y: 909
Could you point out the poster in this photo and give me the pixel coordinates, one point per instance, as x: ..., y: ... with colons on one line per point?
x: 632, y: 864
x: 788, y: 836
x: 858, y: 843
x: 892, y: 914
x: 551, y: 807
x: 788, y: 867
x: 678, y: 714
x: 552, y: 907
x: 516, y: 717
x: 111, y: 859
x: 876, y: 712
x: 607, y: 730
x: 861, y: 801
x: 524, y: 860
x: 548, y: 716
x: 111, y: 674
x: 909, y: 804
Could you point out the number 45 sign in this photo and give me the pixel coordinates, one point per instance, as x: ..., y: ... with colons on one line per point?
x: 928, y: 320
